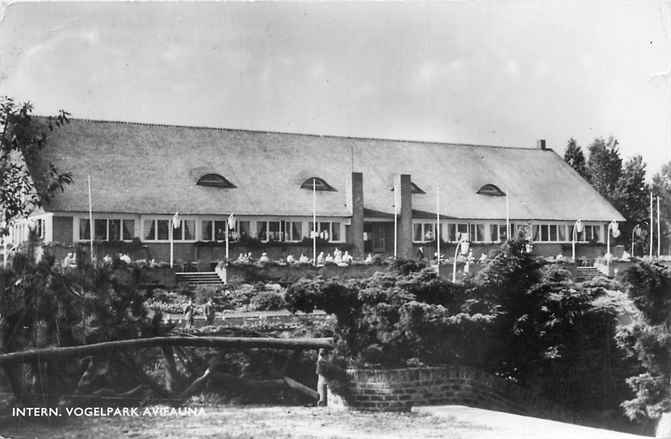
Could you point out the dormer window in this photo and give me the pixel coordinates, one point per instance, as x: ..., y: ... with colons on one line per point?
x: 318, y: 184
x: 215, y: 180
x: 492, y: 190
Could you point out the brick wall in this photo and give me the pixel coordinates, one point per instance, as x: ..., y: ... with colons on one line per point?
x: 401, y: 389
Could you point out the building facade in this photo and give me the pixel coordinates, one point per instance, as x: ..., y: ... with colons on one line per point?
x: 365, y: 195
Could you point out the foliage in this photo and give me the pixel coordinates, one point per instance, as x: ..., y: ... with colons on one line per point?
x: 661, y: 185
x: 79, y: 306
x: 43, y: 306
x: 406, y: 266
x: 576, y: 158
x: 268, y: 301
x: 25, y: 181
x: 518, y: 318
x: 621, y: 184
x: 605, y: 166
x: 649, y: 286
x: 648, y: 339
x: 631, y: 199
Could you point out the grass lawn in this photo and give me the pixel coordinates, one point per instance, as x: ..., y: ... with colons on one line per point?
x: 301, y: 422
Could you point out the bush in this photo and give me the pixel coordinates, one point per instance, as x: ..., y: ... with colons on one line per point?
x: 79, y: 306
x: 648, y: 339
x: 268, y: 301
x: 202, y: 293
x: 519, y: 318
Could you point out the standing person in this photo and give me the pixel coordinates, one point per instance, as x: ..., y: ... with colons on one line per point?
x: 323, y: 358
x: 188, y: 315
x: 209, y: 311
x: 420, y: 253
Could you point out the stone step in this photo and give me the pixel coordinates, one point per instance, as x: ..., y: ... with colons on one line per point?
x: 199, y: 278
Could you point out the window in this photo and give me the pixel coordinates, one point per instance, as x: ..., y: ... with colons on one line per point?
x: 561, y: 233
x: 503, y: 231
x: 243, y: 228
x: 220, y: 230
x: 318, y: 184
x: 477, y: 233
x: 330, y: 230
x: 206, y: 230
x: 100, y: 229
x: 215, y: 180
x: 592, y: 233
x: 268, y: 230
x: 423, y: 232
x: 107, y: 229
x: 491, y: 190
x: 293, y: 230
x: 215, y: 230
x: 157, y: 230
x: 162, y: 229
x: 185, y: 232
x: 149, y: 230
x: 552, y: 233
x: 452, y: 232
x: 494, y: 233
x: 579, y: 236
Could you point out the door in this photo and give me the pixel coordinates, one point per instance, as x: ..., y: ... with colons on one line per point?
x: 377, y: 237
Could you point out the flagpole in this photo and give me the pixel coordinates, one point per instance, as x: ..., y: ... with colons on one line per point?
x: 172, y: 226
x: 659, y: 234
x: 395, y: 225
x: 314, y: 221
x: 90, y: 220
x: 228, y: 227
x: 438, y: 225
x: 652, y: 231
x: 508, y: 237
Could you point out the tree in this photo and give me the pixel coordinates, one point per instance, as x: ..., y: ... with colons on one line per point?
x: 576, y: 158
x: 26, y: 182
x: 605, y: 166
x: 631, y: 199
x: 661, y: 185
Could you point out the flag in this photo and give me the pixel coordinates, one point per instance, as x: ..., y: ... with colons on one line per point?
x: 231, y: 222
x: 176, y: 222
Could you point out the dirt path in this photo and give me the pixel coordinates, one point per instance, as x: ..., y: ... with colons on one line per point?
x: 248, y: 422
x: 451, y: 422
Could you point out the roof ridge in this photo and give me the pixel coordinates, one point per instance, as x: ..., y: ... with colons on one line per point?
x: 380, y: 139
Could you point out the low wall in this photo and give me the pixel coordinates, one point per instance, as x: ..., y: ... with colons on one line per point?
x: 401, y: 389
x: 238, y: 274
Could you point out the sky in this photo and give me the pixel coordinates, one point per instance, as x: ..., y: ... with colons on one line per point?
x: 481, y: 72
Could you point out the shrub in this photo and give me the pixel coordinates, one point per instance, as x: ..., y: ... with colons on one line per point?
x: 79, y: 306
x: 268, y: 301
x: 648, y: 339
x: 202, y: 293
x: 519, y: 318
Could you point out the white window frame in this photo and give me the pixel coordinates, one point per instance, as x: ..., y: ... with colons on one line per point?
x: 287, y: 233
x: 267, y: 237
x: 155, y: 218
x: 424, y: 226
x: 331, y: 222
x: 80, y: 218
x: 233, y: 235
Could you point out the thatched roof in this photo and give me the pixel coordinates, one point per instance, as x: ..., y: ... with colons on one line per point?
x: 146, y: 168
